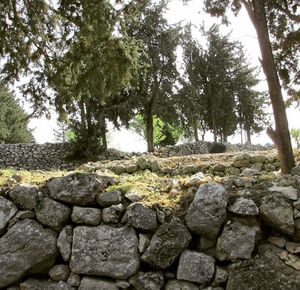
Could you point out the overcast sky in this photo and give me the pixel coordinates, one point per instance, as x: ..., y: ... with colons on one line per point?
x: 241, y: 29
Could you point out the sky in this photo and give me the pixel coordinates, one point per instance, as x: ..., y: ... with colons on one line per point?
x: 241, y: 29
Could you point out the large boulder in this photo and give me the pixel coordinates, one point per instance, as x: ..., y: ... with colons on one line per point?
x: 7, y: 211
x: 26, y: 247
x: 277, y: 213
x: 265, y: 271
x: 24, y: 196
x: 167, y: 244
x: 105, y: 251
x: 77, y: 188
x: 236, y: 241
x: 195, y: 267
x: 207, y: 212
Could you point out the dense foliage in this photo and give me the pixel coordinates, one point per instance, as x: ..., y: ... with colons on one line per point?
x: 13, y: 120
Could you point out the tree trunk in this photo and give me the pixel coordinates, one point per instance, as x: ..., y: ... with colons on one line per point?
x: 248, y: 136
x: 195, y: 129
x: 103, y: 131
x: 280, y: 135
x: 149, y: 125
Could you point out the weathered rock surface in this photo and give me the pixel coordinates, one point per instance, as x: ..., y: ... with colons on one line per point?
x: 36, y: 284
x: 89, y: 283
x: 59, y: 272
x: 180, y: 285
x: 277, y: 213
x: 26, y: 247
x: 24, y: 196
x: 147, y: 281
x: 52, y: 214
x: 167, y: 244
x: 76, y: 189
x: 207, y: 212
x: 105, y: 251
x: 109, y: 198
x: 236, y: 241
x: 7, y: 211
x: 64, y: 242
x: 263, y: 272
x: 86, y: 215
x: 113, y: 213
x: 141, y: 217
x: 288, y: 191
x: 195, y: 267
x: 243, y: 206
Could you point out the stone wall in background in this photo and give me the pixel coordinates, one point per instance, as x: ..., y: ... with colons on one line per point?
x: 35, y: 156
x: 74, y: 233
x: 55, y: 156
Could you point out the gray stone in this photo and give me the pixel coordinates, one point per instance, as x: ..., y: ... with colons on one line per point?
x: 86, y: 215
x: 207, y: 212
x: 180, y: 285
x: 123, y: 284
x: 288, y: 191
x: 205, y: 244
x: 165, y: 248
x: 63, y: 286
x: 195, y: 267
x: 7, y: 211
x: 112, y: 214
x: 189, y: 169
x: 142, y: 163
x: 24, y: 196
x: 236, y: 241
x: 293, y: 248
x: 74, y: 280
x: 196, y: 179
x: 143, y: 243
x: 155, y: 166
x: 105, y: 251
x: 279, y: 242
x: 133, y: 196
x: 36, y: 284
x: 132, y: 168
x: 120, y: 169
x: 220, y: 277
x: 64, y: 242
x: 161, y: 217
x: 296, y: 170
x: 59, y: 272
x: 297, y: 204
x: 52, y: 214
x: 231, y: 170
x: 243, y: 206
x: 265, y: 271
x: 26, y: 247
x: 147, y: 281
x: 109, y: 198
x: 76, y: 189
x: 290, y: 260
x: 250, y: 172
x: 277, y: 213
x: 141, y: 217
x: 88, y: 283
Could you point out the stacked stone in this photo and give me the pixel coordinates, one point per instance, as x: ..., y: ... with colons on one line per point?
x: 244, y: 164
x: 35, y: 156
x: 77, y: 235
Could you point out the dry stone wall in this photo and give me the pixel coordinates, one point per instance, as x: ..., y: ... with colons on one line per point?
x: 35, y: 156
x: 55, y: 156
x: 73, y: 233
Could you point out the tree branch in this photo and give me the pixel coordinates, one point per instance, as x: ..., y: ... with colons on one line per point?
x: 287, y: 12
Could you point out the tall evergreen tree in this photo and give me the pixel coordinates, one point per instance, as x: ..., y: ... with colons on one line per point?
x: 155, y: 86
x: 258, y: 11
x: 13, y: 120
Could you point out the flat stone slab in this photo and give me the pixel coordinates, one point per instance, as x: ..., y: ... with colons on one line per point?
x: 105, y: 251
